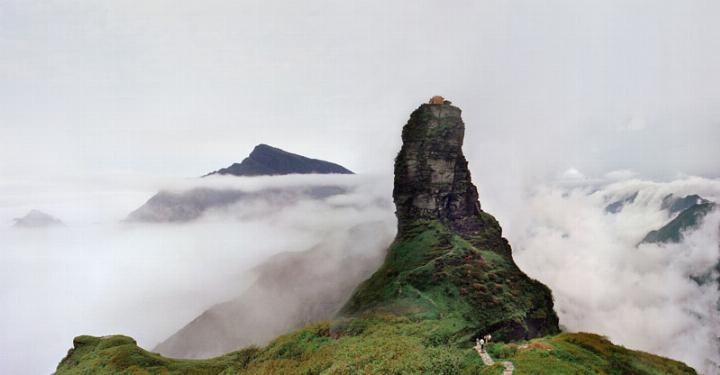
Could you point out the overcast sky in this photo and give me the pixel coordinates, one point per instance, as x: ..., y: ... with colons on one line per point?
x: 180, y: 88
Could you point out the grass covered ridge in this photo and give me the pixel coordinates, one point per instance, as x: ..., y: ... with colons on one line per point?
x: 432, y: 272
x: 581, y: 353
x: 374, y: 344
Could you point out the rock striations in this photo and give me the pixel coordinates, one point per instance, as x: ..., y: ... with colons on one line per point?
x: 449, y: 256
x: 432, y: 180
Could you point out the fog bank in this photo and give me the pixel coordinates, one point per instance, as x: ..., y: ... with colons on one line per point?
x: 641, y: 297
x: 99, y: 276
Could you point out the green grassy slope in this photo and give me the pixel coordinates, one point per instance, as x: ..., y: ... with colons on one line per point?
x: 432, y: 272
x: 382, y: 344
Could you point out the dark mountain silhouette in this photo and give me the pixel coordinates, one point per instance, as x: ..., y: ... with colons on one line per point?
x: 179, y: 206
x: 618, y: 205
x: 265, y: 160
x: 691, y: 210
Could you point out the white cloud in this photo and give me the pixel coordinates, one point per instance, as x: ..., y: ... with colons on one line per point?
x: 641, y: 297
x: 98, y: 276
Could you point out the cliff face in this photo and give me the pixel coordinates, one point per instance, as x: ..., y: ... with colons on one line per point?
x: 432, y: 180
x: 449, y: 257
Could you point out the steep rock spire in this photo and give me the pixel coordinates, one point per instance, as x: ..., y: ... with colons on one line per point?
x: 432, y: 179
x: 449, y: 257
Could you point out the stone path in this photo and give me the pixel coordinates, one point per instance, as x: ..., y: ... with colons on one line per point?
x: 488, y: 361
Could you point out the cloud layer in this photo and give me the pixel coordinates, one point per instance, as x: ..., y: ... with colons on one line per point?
x: 641, y: 297
x: 98, y: 276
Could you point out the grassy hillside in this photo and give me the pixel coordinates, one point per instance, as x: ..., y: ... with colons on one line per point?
x: 432, y: 272
x: 375, y: 344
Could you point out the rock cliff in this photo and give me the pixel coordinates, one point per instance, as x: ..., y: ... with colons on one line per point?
x: 432, y: 180
x: 449, y: 257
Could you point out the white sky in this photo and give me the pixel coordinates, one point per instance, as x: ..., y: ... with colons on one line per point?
x: 180, y: 88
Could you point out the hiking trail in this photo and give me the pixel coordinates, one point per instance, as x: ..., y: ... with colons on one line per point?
x: 488, y: 361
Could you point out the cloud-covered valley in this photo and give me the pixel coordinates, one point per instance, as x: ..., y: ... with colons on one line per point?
x: 99, y: 275
x: 641, y: 296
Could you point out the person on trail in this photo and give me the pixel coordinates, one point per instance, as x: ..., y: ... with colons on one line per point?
x: 482, y: 345
x: 487, y: 338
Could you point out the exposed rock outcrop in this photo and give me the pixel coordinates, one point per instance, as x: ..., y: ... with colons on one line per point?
x: 449, y: 256
x: 432, y: 180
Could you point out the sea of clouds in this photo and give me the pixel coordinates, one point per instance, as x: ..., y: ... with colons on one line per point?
x: 99, y: 275
x: 642, y: 296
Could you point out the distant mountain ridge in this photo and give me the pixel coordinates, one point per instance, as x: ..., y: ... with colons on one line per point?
x: 37, y: 219
x: 691, y: 211
x: 266, y: 160
x: 184, y: 206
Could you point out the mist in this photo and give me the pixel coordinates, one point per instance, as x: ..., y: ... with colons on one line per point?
x: 642, y: 296
x: 99, y: 276
x: 104, y: 103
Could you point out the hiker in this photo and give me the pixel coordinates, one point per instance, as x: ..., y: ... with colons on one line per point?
x: 487, y: 338
x: 482, y: 345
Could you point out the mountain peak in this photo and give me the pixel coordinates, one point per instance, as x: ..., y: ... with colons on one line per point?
x: 262, y: 147
x: 265, y: 160
x: 449, y: 257
x: 432, y: 179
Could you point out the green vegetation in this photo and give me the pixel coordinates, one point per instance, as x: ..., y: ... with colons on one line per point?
x: 432, y: 272
x: 375, y: 344
x: 120, y: 354
x: 582, y: 353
